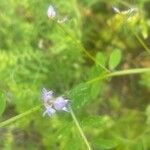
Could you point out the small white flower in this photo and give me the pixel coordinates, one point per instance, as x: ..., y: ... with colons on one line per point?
x: 51, y: 13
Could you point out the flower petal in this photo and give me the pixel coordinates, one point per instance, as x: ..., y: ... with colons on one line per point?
x: 49, y: 111
x: 46, y: 95
x: 60, y: 103
x: 51, y: 13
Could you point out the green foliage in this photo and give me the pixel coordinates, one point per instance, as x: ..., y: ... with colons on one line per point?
x: 2, y: 103
x: 105, y: 144
x: 37, y: 52
x: 100, y: 57
x: 80, y: 95
x: 115, y: 58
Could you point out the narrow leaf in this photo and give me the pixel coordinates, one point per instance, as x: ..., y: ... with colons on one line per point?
x: 100, y: 58
x: 115, y: 58
x: 105, y: 144
x: 80, y: 95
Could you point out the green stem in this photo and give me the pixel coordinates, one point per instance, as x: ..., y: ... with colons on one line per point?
x: 141, y: 42
x: 82, y: 48
x: 80, y: 130
x: 128, y: 72
x: 13, y: 119
x: 121, y: 73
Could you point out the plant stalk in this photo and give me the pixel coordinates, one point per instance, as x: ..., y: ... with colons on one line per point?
x: 13, y: 119
x: 80, y: 130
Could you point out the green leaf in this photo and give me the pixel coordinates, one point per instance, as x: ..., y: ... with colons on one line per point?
x: 2, y: 103
x: 105, y: 143
x: 97, y: 121
x: 115, y: 58
x: 100, y: 58
x: 80, y: 95
x: 95, y: 89
x: 84, y: 93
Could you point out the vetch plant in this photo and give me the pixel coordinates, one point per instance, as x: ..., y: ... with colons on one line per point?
x: 53, y: 104
x: 97, y: 126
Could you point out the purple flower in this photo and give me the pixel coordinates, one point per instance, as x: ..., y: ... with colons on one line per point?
x: 61, y: 104
x: 49, y: 111
x: 52, y: 104
x: 46, y: 95
x: 51, y: 13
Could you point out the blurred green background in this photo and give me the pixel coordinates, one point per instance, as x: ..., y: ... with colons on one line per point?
x: 36, y: 52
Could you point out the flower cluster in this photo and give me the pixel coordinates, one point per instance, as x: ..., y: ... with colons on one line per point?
x: 51, y: 13
x: 52, y: 104
x: 125, y: 12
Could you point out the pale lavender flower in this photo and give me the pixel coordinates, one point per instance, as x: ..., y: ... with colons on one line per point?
x: 49, y: 111
x: 51, y: 13
x: 52, y: 104
x: 61, y: 104
x: 46, y: 95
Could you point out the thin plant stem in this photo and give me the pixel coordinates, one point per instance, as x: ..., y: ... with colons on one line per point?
x: 141, y: 42
x: 82, y: 48
x: 80, y: 130
x: 128, y: 72
x: 13, y: 119
x: 120, y: 73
